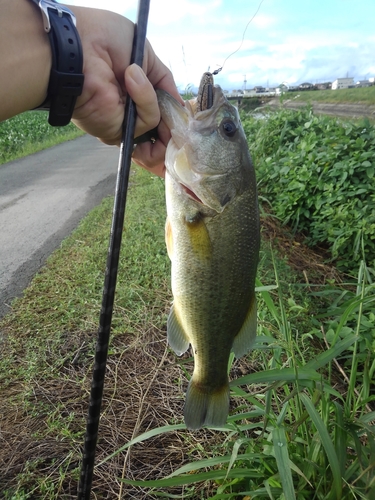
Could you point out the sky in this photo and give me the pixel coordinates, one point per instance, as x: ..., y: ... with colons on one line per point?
x: 287, y: 41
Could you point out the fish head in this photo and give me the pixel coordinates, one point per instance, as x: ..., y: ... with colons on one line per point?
x: 207, y: 154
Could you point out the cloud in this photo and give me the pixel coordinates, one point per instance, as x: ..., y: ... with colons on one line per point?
x: 284, y: 41
x: 122, y: 7
x: 167, y: 12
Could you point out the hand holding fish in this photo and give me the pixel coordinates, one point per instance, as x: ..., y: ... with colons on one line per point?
x: 106, y: 37
x: 109, y: 78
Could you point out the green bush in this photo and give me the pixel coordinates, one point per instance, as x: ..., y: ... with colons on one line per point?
x: 318, y: 173
x: 29, y: 132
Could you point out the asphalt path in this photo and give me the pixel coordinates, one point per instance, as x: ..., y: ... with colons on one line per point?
x: 42, y: 199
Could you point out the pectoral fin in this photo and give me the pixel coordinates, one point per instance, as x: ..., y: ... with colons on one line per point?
x: 246, y: 336
x: 169, y: 238
x: 176, y: 335
x: 199, y: 236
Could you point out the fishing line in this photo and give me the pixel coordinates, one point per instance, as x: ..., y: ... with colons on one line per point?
x: 243, y: 38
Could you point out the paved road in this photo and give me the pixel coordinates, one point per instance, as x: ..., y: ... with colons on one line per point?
x: 42, y: 199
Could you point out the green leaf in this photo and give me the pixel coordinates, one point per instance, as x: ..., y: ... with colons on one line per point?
x: 327, y: 356
x: 327, y: 445
x: 370, y: 172
x: 268, y: 300
x: 212, y: 462
x: 215, y: 475
x: 277, y: 375
x: 282, y: 459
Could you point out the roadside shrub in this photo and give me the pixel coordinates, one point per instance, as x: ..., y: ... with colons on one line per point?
x: 318, y: 173
x: 23, y: 133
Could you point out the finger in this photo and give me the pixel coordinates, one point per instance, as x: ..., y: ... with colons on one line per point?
x: 164, y: 134
x: 143, y: 94
x: 151, y: 157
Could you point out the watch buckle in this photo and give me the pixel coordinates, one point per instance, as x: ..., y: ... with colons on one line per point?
x: 44, y: 5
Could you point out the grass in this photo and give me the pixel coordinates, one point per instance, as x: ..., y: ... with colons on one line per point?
x: 302, y: 411
x: 30, y: 132
x: 341, y: 96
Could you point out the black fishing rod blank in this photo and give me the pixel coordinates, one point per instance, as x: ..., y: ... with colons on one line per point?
x: 97, y: 385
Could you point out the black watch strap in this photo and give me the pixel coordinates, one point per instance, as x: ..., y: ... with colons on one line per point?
x: 66, y: 78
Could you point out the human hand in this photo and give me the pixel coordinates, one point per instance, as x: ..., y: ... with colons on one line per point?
x: 107, y: 43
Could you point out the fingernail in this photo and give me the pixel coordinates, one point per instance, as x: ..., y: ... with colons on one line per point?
x: 137, y: 74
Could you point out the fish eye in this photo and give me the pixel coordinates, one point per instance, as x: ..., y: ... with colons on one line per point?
x: 229, y: 128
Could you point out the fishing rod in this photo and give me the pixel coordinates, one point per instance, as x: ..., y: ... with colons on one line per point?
x: 101, y: 353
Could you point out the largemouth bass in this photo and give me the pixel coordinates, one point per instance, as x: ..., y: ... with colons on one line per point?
x: 212, y: 237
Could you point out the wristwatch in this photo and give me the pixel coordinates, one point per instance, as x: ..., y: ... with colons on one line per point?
x: 66, y: 77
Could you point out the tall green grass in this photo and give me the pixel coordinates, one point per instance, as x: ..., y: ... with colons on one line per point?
x: 342, y: 96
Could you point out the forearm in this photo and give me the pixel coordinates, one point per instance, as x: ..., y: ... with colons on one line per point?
x: 25, y: 58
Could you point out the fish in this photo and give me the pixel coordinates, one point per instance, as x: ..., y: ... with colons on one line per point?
x: 212, y: 235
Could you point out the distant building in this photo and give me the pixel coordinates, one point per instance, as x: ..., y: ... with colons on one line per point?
x: 323, y: 86
x: 342, y: 83
x: 363, y: 83
x: 305, y: 86
x: 281, y: 88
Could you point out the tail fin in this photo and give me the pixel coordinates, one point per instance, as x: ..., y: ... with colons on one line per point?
x: 206, y: 408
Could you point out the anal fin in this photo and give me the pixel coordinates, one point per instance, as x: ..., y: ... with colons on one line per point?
x: 176, y: 335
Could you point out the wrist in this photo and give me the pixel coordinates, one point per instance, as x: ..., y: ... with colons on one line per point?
x: 66, y: 77
x: 25, y: 56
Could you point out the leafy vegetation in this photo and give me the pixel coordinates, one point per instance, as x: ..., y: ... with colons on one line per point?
x: 318, y: 174
x: 30, y: 132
